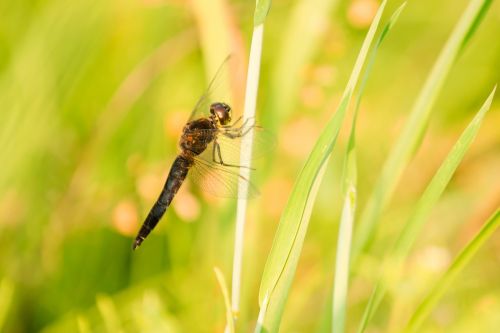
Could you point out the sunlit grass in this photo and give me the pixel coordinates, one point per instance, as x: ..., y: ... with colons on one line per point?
x: 93, y: 94
x: 412, y: 134
x: 227, y: 302
x: 393, y: 265
x: 283, y: 258
x: 249, y: 112
x: 349, y: 182
x: 444, y: 283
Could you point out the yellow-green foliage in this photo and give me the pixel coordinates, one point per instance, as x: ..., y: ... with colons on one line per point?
x: 93, y: 95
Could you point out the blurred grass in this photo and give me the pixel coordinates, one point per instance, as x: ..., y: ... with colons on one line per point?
x: 304, y: 28
x: 349, y: 182
x: 437, y: 291
x: 412, y: 134
x: 281, y: 264
x: 227, y: 302
x: 92, y: 97
x: 6, y: 297
x: 393, y: 265
x: 262, y: 8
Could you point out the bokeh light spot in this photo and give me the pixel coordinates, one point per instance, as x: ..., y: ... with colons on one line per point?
x: 125, y: 219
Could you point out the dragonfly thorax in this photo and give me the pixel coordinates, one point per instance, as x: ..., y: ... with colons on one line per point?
x: 222, y: 112
x: 197, y: 135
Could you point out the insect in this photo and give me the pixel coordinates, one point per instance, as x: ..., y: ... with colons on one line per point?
x: 209, y: 153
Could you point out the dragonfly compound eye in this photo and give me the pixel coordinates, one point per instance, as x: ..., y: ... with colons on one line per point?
x: 222, y: 111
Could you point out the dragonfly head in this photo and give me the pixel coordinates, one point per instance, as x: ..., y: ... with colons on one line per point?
x: 222, y: 111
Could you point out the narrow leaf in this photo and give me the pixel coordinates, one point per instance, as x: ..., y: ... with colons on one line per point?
x: 282, y: 261
x: 347, y: 219
x: 393, y: 263
x: 414, y: 130
x: 262, y: 8
x: 369, y: 310
x: 259, y: 328
x: 342, y: 261
x: 252, y: 87
x: 440, y: 180
x: 225, y: 293
x: 456, y: 267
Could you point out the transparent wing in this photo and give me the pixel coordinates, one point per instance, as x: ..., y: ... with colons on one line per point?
x: 218, y: 180
x: 202, y: 107
x: 230, y: 141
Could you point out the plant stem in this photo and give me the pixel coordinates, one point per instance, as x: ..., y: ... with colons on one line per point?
x: 246, y: 152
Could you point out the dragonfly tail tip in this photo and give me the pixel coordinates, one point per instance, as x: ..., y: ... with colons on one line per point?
x: 137, y: 243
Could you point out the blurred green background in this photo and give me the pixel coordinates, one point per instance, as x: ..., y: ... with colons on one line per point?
x: 93, y: 95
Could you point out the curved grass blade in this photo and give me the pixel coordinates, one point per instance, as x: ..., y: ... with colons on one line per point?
x: 394, y: 262
x: 227, y: 302
x: 287, y: 245
x: 411, y: 136
x: 347, y: 219
x: 440, y: 180
x: 456, y: 267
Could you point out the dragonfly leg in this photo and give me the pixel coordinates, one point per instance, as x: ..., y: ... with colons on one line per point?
x: 233, y: 133
x: 249, y: 129
x: 221, y: 162
x: 237, y: 129
x: 216, y: 146
x: 238, y: 133
x: 244, y: 124
x: 234, y: 123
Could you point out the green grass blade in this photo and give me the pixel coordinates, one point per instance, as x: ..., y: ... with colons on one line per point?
x: 440, y: 180
x: 259, y: 328
x: 350, y: 176
x: 414, y: 130
x: 249, y: 110
x: 262, y: 8
x: 393, y: 264
x: 456, y: 267
x: 225, y: 293
x: 342, y: 261
x: 479, y: 17
x: 370, y: 309
x: 282, y: 261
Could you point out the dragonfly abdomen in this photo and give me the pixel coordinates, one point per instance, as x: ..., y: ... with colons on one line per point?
x: 176, y: 176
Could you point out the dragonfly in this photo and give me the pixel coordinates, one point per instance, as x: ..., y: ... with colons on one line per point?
x: 209, y: 148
